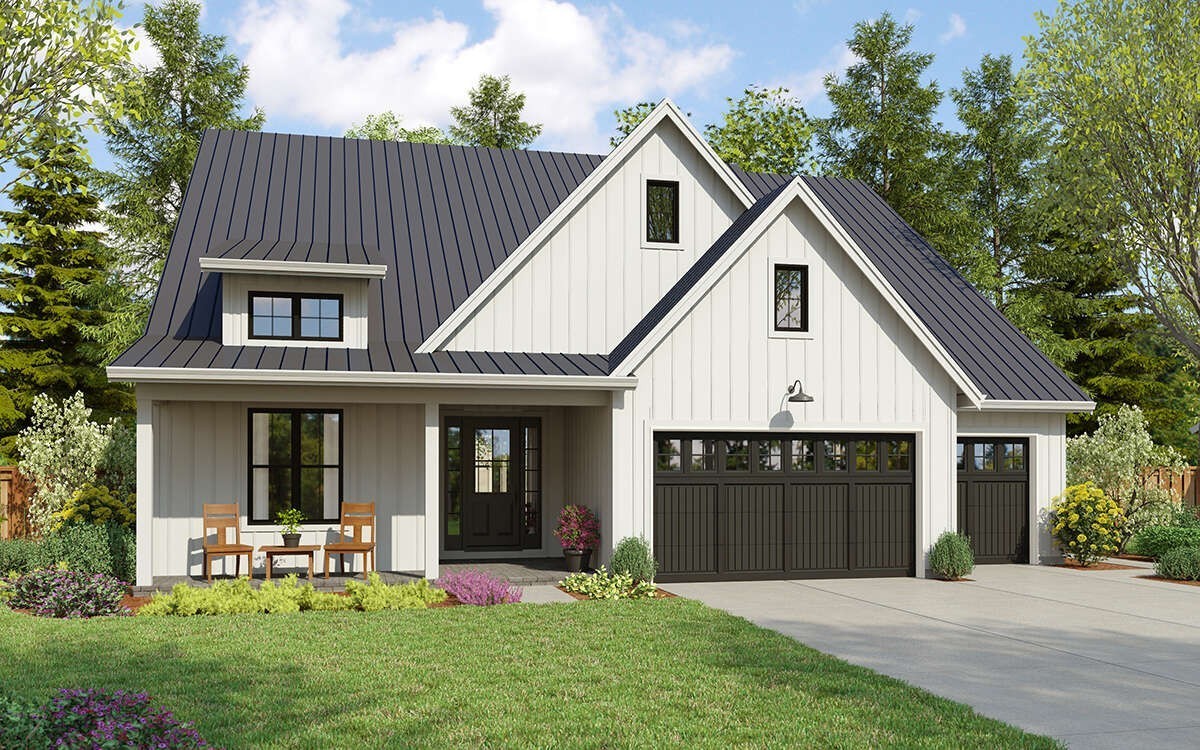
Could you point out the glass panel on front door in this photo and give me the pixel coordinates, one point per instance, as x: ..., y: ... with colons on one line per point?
x: 493, y: 459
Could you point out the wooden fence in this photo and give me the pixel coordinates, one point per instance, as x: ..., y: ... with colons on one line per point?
x: 14, y: 502
x: 1184, y: 482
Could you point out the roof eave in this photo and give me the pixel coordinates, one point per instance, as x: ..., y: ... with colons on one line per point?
x: 1030, y: 406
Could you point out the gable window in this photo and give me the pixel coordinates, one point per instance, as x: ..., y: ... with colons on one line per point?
x: 306, y: 317
x: 791, y: 298
x: 662, y: 211
x: 295, y: 462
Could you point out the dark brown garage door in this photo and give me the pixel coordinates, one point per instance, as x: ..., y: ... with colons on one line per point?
x: 993, y: 498
x: 741, y: 506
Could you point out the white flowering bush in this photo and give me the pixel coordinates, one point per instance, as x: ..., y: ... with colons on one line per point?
x: 1116, y: 458
x: 60, y: 451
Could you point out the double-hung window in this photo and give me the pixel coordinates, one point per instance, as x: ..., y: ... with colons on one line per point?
x: 304, y: 317
x: 295, y: 462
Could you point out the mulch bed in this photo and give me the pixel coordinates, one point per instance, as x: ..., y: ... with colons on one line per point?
x: 658, y: 594
x: 1072, y: 565
x: 952, y: 580
x: 1139, y: 558
x: 1171, y: 580
x: 134, y: 603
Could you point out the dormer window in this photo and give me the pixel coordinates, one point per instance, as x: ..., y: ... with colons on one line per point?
x: 662, y: 211
x: 303, y: 317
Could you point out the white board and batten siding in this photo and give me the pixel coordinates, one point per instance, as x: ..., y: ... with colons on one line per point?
x: 591, y: 280
x: 200, y: 450
x: 724, y: 368
x: 235, y: 306
x: 1047, y: 435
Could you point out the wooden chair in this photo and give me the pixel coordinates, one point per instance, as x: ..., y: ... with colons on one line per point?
x: 223, y: 517
x: 357, y: 537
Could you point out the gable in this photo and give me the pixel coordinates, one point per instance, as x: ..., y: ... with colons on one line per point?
x: 722, y: 361
x: 592, y: 278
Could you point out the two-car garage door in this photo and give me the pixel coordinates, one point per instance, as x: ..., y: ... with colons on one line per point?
x: 744, y: 506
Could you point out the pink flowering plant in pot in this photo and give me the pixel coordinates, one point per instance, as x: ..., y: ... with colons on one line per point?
x: 578, y: 531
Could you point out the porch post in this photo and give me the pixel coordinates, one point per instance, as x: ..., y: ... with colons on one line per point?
x: 433, y: 508
x: 145, y: 491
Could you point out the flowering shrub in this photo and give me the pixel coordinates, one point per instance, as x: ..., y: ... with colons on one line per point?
x: 578, y: 528
x: 605, y: 585
x: 479, y: 588
x: 94, y: 719
x: 68, y: 593
x: 1086, y: 524
x: 98, y: 505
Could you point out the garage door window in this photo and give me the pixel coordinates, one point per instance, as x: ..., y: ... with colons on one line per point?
x: 704, y: 455
x: 1014, y: 456
x: 984, y: 457
x: 737, y: 455
x: 866, y: 455
x: 804, y: 455
x: 667, y: 455
x: 770, y: 455
x: 835, y: 455
x: 897, y: 457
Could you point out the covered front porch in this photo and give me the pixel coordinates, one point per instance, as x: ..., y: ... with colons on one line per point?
x: 458, y: 475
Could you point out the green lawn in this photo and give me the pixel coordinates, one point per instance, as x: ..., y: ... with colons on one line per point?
x: 590, y: 674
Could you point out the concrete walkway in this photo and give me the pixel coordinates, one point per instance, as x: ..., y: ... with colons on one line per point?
x: 1098, y: 659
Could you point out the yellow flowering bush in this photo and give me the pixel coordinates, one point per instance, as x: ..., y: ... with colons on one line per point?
x: 1086, y: 524
x: 97, y: 504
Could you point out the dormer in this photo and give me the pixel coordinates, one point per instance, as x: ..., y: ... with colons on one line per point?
x: 286, y: 299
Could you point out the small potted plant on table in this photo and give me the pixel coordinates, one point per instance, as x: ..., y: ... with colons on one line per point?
x: 579, y: 532
x: 289, y: 520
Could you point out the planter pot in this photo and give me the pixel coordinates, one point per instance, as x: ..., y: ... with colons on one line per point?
x: 577, y: 559
x: 291, y: 540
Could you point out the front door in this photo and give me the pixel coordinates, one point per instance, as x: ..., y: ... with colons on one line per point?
x: 491, y: 501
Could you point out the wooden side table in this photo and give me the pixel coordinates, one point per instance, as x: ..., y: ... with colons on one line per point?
x: 276, y: 550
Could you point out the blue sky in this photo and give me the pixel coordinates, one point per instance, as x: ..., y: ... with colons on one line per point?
x: 317, y: 66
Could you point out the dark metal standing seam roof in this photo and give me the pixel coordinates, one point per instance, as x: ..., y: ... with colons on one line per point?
x: 441, y: 218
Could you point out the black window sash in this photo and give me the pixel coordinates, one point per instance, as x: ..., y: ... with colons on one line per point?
x: 295, y: 465
x: 803, y: 270
x: 297, y: 298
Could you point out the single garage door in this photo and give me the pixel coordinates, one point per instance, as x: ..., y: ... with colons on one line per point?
x: 750, y: 506
x: 993, y: 497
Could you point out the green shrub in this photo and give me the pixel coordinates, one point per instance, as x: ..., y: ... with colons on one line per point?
x: 1180, y: 564
x: 605, y: 585
x: 17, y: 555
x: 289, y: 595
x: 634, y: 558
x: 89, y: 548
x: 1086, y: 524
x: 951, y: 556
x: 98, y: 505
x: 1155, y: 541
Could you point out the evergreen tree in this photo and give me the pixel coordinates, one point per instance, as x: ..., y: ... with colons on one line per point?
x: 493, y: 117
x: 882, y: 132
x: 196, y: 85
x: 51, y: 256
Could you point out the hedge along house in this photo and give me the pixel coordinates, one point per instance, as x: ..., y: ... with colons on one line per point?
x: 768, y: 377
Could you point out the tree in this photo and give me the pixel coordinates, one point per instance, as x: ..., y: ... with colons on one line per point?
x: 197, y: 85
x: 1115, y: 458
x: 1117, y: 79
x: 882, y: 132
x: 493, y: 116
x: 386, y: 126
x: 57, y: 59
x: 766, y: 130
x: 60, y: 450
x: 629, y: 118
x: 50, y: 258
x: 1004, y: 148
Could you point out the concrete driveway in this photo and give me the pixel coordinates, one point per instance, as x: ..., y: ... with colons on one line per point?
x: 1098, y: 659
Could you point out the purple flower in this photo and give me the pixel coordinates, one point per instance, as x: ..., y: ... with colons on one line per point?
x: 65, y: 593
x: 479, y: 588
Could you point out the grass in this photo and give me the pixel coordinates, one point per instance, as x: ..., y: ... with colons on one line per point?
x: 588, y: 674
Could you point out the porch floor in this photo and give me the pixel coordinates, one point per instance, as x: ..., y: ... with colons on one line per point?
x: 522, y: 571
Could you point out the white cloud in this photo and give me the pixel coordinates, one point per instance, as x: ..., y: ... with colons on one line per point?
x: 912, y: 15
x: 804, y: 6
x: 957, y: 28
x: 572, y: 65
x: 145, y: 54
x: 810, y: 84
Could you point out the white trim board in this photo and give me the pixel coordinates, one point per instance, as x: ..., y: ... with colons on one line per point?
x: 797, y: 189
x: 666, y: 110
x: 322, y: 377
x: 293, y: 268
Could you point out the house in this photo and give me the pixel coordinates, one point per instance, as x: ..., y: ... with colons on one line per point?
x: 767, y: 377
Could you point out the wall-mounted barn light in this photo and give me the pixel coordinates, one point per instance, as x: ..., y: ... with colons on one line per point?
x: 796, y: 394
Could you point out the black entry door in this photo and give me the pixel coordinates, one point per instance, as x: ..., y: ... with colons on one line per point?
x: 491, y: 503
x: 993, y: 497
